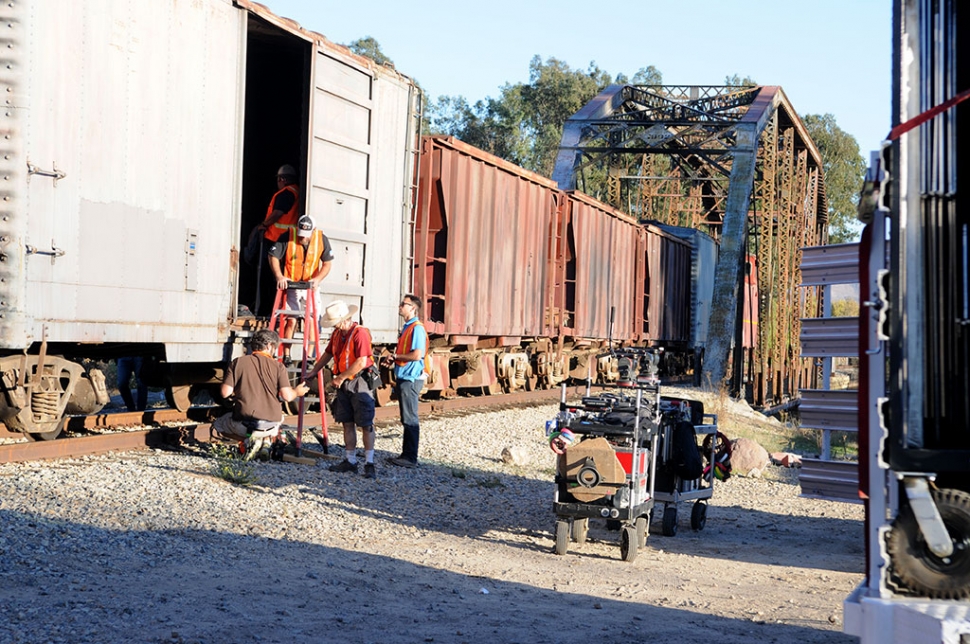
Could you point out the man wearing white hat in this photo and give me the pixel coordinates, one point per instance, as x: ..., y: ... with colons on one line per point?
x: 307, y: 258
x: 355, y: 379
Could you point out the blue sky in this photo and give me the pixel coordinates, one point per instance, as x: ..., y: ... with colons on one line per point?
x: 829, y: 56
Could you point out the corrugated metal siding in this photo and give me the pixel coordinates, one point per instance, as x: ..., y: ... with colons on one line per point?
x: 703, y: 262
x: 606, y: 244
x: 668, y: 290
x: 137, y: 103
x: 482, y: 256
x: 359, y: 173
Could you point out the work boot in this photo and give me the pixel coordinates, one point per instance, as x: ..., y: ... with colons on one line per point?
x: 344, y: 466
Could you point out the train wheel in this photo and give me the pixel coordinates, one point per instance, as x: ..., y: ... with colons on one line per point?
x: 670, y: 521
x: 698, y: 516
x: 562, y: 537
x: 628, y: 543
x: 917, y: 567
x: 179, y: 397
x: 580, y: 530
x: 383, y: 396
x: 56, y: 430
x: 643, y: 528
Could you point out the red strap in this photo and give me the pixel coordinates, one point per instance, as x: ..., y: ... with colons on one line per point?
x: 919, y: 119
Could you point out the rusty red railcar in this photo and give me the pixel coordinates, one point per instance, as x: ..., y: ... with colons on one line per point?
x: 482, y: 262
x: 600, y: 271
x: 667, y: 308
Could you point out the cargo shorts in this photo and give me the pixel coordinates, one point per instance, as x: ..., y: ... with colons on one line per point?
x: 354, y: 403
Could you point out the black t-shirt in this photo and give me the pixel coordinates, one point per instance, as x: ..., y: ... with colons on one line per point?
x: 283, y: 201
x: 278, y: 248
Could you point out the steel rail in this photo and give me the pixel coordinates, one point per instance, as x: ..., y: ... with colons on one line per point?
x: 197, y: 422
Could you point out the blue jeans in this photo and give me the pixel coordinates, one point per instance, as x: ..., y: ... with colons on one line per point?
x: 407, y: 398
x: 126, y: 367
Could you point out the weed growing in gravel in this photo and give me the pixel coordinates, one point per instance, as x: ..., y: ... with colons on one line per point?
x: 231, y: 466
x: 489, y: 482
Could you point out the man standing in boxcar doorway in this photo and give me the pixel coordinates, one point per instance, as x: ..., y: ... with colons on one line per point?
x: 281, y: 215
x: 409, y: 361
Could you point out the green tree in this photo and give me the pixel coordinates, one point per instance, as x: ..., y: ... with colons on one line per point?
x: 844, y: 168
x: 368, y: 46
x: 524, y: 125
x: 737, y: 81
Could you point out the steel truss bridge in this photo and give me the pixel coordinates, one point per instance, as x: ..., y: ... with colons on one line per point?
x: 737, y: 163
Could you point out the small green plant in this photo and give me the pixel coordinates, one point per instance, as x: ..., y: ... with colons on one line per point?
x: 489, y: 482
x: 458, y: 473
x: 230, y: 466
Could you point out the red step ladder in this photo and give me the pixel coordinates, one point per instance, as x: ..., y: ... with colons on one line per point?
x: 277, y: 323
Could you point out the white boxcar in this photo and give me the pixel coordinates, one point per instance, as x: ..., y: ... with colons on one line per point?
x: 140, y: 146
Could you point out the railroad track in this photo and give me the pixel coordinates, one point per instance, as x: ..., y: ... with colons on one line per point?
x: 101, y: 433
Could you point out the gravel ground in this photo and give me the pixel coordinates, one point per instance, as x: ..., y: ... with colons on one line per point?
x: 152, y: 546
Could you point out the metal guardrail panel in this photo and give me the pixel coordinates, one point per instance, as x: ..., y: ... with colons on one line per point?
x: 836, y: 480
x: 836, y: 410
x: 829, y: 337
x: 834, y: 264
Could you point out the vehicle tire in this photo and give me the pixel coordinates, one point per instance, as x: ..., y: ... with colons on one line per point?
x: 670, y: 521
x: 628, y: 543
x: 916, y: 567
x: 580, y: 530
x: 643, y: 529
x: 698, y: 516
x: 562, y: 537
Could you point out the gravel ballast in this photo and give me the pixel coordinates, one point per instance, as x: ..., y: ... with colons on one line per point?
x: 152, y: 546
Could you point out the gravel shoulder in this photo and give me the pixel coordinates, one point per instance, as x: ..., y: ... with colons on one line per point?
x: 152, y: 546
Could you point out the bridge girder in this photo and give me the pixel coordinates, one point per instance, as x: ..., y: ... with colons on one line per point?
x: 738, y: 162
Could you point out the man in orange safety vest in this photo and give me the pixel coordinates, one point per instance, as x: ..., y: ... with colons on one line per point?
x: 305, y: 258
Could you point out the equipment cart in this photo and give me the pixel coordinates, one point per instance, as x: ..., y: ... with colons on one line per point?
x: 681, y: 475
x: 607, y: 448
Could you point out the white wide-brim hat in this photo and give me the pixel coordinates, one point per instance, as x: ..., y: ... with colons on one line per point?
x: 336, y: 312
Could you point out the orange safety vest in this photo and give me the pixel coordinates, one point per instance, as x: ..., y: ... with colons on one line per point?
x: 404, y: 346
x: 302, y: 265
x: 288, y: 221
x: 343, y: 350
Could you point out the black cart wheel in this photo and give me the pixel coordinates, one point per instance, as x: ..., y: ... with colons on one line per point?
x: 642, y: 525
x: 670, y: 521
x: 628, y: 543
x: 915, y: 564
x: 698, y: 516
x: 580, y: 530
x: 562, y: 537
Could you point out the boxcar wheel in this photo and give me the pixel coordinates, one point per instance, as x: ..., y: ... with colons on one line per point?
x: 580, y: 530
x: 670, y: 521
x: 628, y: 543
x: 56, y: 430
x: 698, y: 516
x: 915, y: 564
x: 562, y: 537
x: 179, y: 397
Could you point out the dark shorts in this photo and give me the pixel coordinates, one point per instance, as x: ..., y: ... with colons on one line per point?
x: 354, y: 403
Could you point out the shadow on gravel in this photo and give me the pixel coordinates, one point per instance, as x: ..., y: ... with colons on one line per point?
x: 64, y: 582
x: 515, y: 510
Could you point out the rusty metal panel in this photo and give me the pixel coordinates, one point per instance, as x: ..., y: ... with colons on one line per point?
x: 836, y: 409
x: 833, y: 264
x: 703, y: 260
x: 481, y: 242
x: 667, y: 289
x: 605, y: 245
x: 830, y: 337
